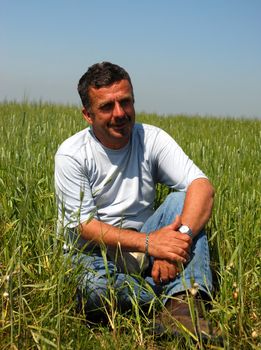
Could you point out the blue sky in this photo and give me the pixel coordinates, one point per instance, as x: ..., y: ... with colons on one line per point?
x: 184, y: 56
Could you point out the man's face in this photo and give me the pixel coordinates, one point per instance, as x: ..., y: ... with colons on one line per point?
x: 112, y: 113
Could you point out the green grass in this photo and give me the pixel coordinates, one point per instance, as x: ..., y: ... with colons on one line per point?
x: 37, y: 285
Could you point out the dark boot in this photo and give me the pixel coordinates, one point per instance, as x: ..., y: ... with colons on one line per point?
x: 184, y: 314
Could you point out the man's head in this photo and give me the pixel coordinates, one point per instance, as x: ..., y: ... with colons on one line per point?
x: 108, y: 103
x: 100, y: 75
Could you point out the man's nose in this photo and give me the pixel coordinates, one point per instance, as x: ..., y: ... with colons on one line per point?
x: 118, y: 110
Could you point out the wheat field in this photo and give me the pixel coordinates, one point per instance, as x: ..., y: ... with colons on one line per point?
x: 37, y: 285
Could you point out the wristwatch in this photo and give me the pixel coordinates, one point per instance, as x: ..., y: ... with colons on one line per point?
x: 185, y: 229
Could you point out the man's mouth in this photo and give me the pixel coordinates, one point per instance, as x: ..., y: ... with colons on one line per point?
x: 122, y: 124
x: 119, y: 126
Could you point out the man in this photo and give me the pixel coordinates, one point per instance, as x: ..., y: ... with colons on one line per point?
x: 105, y: 178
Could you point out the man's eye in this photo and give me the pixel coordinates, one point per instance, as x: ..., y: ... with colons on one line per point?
x: 107, y: 107
x: 126, y: 102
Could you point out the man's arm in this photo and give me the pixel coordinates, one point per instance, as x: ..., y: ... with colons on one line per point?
x: 198, y: 205
x: 164, y: 243
x: 196, y: 213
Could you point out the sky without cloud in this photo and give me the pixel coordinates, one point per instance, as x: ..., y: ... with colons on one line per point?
x: 192, y: 56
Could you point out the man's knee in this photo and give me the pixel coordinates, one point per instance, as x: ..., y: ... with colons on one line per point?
x: 94, y: 290
x: 175, y: 201
x: 176, y: 197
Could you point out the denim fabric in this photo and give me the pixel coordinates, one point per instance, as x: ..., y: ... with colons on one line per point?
x: 100, y: 279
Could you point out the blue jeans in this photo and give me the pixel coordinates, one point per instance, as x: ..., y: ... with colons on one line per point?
x: 99, y: 277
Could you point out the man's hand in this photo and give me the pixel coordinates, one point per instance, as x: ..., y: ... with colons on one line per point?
x: 164, y: 271
x: 167, y: 243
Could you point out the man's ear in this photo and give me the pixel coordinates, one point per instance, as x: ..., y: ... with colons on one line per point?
x: 86, y: 115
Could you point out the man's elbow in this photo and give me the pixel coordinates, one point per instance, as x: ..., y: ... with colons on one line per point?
x: 205, y: 185
x: 211, y: 196
x: 211, y: 190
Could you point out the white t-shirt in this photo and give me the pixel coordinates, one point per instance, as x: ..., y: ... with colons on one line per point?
x: 118, y: 186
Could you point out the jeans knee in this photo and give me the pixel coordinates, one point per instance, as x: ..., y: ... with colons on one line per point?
x: 175, y: 200
x: 176, y: 196
x: 95, y: 294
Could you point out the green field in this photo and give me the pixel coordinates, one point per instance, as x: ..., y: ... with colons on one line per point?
x: 37, y: 286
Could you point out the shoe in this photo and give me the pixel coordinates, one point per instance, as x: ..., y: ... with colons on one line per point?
x: 185, y: 315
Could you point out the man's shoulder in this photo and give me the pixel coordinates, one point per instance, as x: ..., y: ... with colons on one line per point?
x: 148, y: 132
x: 74, y: 143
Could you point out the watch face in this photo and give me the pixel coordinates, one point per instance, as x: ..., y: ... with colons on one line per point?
x: 184, y: 229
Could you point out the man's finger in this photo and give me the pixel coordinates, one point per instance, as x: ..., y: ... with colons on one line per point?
x: 155, y: 274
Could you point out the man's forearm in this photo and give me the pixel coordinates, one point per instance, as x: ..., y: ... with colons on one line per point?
x: 198, y: 205
x: 164, y: 243
x: 109, y: 235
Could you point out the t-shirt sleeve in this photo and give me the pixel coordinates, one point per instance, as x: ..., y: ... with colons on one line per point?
x: 174, y: 168
x: 74, y: 197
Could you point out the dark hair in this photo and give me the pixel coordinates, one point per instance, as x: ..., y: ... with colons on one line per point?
x: 100, y: 75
